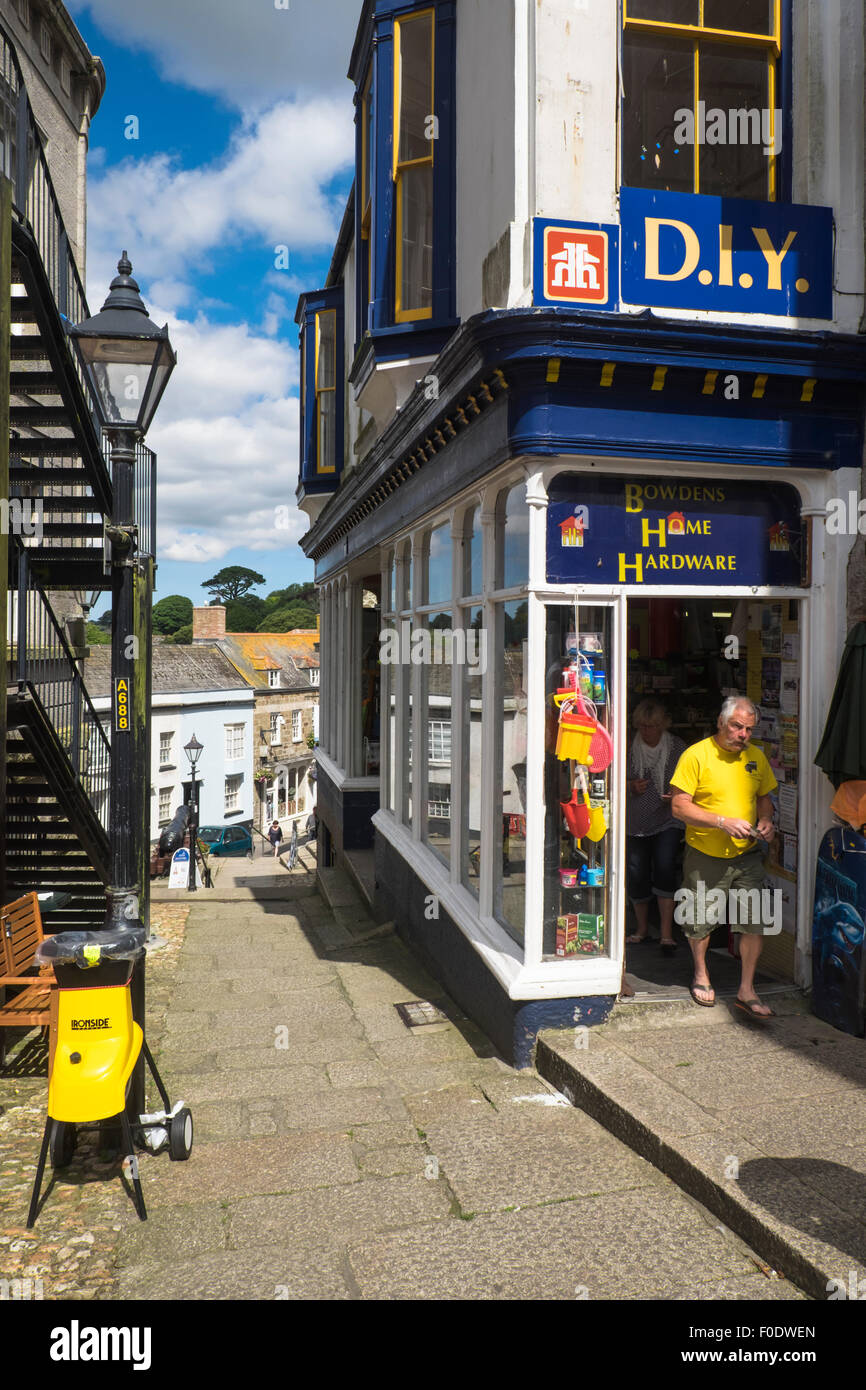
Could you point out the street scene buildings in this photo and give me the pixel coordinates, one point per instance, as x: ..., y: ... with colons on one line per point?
x: 524, y: 956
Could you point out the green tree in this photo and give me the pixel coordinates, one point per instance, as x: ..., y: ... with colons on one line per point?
x: 97, y: 636
x: 232, y: 582
x: 280, y: 597
x: 105, y: 621
x: 244, y: 614
x: 172, y: 613
x: 183, y: 636
x: 286, y: 619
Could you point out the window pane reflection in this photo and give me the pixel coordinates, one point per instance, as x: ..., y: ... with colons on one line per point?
x: 470, y: 773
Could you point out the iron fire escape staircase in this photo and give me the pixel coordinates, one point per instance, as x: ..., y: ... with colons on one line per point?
x: 54, y: 822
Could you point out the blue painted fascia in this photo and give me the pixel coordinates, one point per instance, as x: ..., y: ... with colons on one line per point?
x: 514, y: 334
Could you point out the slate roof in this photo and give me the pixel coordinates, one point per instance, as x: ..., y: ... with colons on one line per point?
x: 176, y: 670
x: 292, y: 653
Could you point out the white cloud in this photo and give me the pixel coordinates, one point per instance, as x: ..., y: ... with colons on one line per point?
x: 226, y: 437
x: 248, y: 52
x: 271, y: 187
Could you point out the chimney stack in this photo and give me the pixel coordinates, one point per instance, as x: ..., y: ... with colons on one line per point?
x: 209, y: 624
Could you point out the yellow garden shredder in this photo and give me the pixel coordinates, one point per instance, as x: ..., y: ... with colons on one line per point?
x: 98, y: 1045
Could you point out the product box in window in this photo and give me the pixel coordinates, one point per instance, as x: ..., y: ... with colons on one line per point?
x: 566, y: 934
x: 590, y: 933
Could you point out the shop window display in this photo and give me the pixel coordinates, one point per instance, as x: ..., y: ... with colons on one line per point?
x: 509, y: 870
x: 436, y: 721
x: 370, y: 692
x: 577, y: 782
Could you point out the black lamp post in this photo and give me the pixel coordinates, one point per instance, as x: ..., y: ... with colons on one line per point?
x: 127, y: 361
x: 193, y: 751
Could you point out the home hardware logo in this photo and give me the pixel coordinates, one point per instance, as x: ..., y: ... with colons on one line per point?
x: 87, y: 1024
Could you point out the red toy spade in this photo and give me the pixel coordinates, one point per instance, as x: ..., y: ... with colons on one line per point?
x: 577, y: 815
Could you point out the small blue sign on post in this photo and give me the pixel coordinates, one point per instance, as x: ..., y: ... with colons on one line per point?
x: 693, y: 251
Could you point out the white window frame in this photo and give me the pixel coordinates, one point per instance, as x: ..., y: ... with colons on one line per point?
x: 314, y: 675
x: 277, y: 722
x: 235, y: 742
x: 165, y: 793
x: 274, y: 677
x: 45, y: 41
x: 232, y: 792
x: 165, y: 755
x: 297, y: 725
x: 24, y: 12
x: 437, y: 729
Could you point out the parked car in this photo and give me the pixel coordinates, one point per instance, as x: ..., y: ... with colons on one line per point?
x: 226, y: 839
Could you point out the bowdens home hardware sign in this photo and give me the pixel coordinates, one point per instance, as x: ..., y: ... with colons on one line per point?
x: 679, y: 531
x: 691, y: 251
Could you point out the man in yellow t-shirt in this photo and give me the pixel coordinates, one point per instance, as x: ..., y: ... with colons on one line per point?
x: 721, y: 790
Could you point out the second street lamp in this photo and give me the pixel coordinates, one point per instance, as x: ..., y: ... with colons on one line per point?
x: 193, y: 751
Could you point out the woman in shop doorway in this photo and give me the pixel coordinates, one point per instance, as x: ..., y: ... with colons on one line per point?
x: 653, y: 835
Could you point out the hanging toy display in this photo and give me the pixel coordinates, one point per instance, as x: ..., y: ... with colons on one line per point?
x: 577, y: 728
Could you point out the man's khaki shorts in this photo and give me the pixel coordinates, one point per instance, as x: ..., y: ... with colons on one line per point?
x: 704, y: 873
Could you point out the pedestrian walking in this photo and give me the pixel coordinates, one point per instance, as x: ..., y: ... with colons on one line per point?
x: 275, y: 835
x: 722, y: 792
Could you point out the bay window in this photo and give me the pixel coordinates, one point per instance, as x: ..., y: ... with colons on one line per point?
x: 404, y: 69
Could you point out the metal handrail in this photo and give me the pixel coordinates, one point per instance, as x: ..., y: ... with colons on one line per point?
x: 23, y: 161
x: 42, y: 661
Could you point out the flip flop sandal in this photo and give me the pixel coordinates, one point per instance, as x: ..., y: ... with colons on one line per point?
x: 704, y: 1003
x: 748, y: 1007
x: 635, y: 940
x: 667, y: 947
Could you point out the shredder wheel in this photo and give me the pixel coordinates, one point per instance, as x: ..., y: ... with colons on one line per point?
x: 62, y: 1144
x: 180, y: 1135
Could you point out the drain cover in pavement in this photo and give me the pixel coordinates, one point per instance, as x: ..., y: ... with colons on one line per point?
x: 419, y: 1013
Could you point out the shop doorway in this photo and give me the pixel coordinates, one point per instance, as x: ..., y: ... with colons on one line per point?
x: 685, y: 656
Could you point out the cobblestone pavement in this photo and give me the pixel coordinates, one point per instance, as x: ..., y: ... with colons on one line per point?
x: 71, y: 1251
x: 339, y: 1155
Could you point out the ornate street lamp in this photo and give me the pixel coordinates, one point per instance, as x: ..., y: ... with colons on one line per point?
x: 126, y: 358
x: 193, y: 751
x: 127, y: 361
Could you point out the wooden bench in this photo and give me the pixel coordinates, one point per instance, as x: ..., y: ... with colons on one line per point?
x: 35, y: 1006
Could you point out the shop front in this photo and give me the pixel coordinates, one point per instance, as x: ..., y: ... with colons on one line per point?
x: 517, y: 642
x: 564, y: 543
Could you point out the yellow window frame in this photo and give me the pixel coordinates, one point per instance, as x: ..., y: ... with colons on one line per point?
x: 770, y: 43
x: 324, y: 390
x: 402, y: 315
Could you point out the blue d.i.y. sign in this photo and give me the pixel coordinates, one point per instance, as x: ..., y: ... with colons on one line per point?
x: 692, y: 251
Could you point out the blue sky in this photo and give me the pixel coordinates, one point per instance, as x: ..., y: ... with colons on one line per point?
x: 244, y: 124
